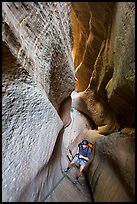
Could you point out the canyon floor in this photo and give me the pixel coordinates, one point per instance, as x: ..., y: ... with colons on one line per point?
x: 59, y: 186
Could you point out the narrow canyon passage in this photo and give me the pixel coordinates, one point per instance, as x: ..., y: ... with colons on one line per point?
x: 58, y: 181
x: 68, y: 73
x: 75, y: 125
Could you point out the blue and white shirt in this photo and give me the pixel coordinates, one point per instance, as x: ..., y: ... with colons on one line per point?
x: 85, y: 152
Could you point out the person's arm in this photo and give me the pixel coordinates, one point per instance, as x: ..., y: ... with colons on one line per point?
x: 88, y: 155
x: 77, y: 154
x: 78, y: 150
x: 82, y: 157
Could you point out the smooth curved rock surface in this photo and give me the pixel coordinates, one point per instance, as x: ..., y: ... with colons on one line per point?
x: 27, y: 118
x: 52, y: 186
x: 105, y: 70
x: 39, y: 36
x: 111, y: 173
x: 35, y: 83
x: 92, y: 20
x: 39, y: 125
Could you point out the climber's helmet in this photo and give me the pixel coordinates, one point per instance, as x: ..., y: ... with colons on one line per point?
x: 84, y: 142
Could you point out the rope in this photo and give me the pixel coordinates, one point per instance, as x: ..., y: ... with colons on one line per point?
x: 50, y: 192
x: 72, y: 122
x: 76, y: 185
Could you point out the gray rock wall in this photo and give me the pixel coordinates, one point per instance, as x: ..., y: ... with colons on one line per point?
x: 40, y: 76
x: 34, y: 83
x: 39, y: 35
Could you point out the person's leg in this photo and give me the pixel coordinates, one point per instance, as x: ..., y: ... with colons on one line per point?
x: 80, y: 171
x: 72, y: 163
x: 82, y: 165
x: 78, y: 174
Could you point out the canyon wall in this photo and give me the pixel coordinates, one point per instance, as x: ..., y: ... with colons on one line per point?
x: 111, y: 170
x: 36, y: 78
x: 104, y: 60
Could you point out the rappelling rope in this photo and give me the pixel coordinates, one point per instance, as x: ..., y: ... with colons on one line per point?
x: 50, y: 192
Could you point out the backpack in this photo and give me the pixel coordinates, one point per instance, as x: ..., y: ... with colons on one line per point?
x: 90, y: 145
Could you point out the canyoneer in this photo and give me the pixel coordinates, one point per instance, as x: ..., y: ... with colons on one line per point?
x: 84, y: 152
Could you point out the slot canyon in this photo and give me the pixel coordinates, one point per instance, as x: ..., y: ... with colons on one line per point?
x: 68, y: 74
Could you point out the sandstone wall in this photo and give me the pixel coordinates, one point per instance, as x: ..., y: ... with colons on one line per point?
x: 121, y: 87
x: 39, y: 35
x: 105, y: 70
x: 36, y: 78
x: 104, y: 60
x: 111, y: 172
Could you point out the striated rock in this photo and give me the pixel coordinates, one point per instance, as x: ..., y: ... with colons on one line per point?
x: 27, y: 116
x: 34, y: 84
x: 39, y: 119
x: 112, y: 171
x: 105, y: 85
x: 50, y: 184
x: 39, y: 36
x: 100, y: 113
x: 107, y: 93
x: 92, y: 21
x: 121, y: 88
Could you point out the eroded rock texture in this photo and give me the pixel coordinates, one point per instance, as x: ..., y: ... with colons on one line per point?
x: 112, y: 171
x: 39, y: 120
x: 39, y: 35
x: 104, y: 59
x: 35, y: 82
